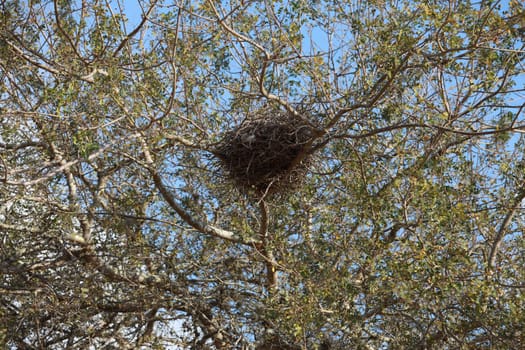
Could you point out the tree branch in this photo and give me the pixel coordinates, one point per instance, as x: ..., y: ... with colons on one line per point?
x: 502, y: 229
x: 271, y: 271
x: 134, y: 31
x: 184, y: 215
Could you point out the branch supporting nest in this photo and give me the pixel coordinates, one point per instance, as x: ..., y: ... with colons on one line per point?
x: 261, y: 155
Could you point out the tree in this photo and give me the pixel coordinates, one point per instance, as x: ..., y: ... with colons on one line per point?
x: 121, y: 227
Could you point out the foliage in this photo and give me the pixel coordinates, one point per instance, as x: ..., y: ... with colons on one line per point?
x: 118, y: 230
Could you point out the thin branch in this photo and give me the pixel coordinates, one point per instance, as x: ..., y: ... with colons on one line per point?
x: 518, y: 128
x: 47, y: 67
x: 63, y: 32
x: 236, y: 34
x: 271, y: 271
x: 134, y: 31
x: 503, y: 228
x: 275, y: 98
x: 32, y: 61
x: 63, y: 167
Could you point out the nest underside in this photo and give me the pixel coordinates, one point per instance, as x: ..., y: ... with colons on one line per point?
x: 261, y: 154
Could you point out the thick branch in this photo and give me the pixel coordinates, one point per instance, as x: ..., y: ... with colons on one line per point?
x: 184, y: 215
x: 23, y: 228
x: 17, y: 146
x: 201, y: 227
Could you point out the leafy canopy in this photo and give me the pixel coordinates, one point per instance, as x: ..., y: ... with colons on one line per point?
x: 118, y: 228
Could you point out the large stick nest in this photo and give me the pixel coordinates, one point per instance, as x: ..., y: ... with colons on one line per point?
x: 267, y: 154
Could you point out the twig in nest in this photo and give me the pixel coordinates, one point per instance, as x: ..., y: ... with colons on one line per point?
x: 261, y: 154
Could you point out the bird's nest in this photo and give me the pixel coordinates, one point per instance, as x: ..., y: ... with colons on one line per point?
x: 267, y: 154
